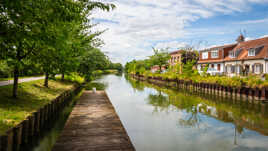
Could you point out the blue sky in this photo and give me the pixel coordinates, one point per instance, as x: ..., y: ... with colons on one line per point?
x: 136, y: 26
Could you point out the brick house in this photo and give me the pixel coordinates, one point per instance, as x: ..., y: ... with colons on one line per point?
x: 175, y: 57
x: 248, y: 57
x: 214, y: 57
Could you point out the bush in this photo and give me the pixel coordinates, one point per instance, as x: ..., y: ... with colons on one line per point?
x: 74, y: 77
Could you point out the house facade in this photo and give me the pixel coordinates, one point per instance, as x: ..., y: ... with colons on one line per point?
x: 175, y: 57
x: 248, y: 57
x: 242, y: 58
x: 214, y: 57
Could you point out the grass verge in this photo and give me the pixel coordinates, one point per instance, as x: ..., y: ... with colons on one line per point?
x: 32, y: 96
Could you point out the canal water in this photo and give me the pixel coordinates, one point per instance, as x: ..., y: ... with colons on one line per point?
x: 162, y: 119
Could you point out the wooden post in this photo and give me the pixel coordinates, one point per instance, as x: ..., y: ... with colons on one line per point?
x: 257, y: 94
x: 17, y: 137
x: 244, y: 93
x: 4, y: 143
x: 250, y: 94
x: 10, y: 140
x: 36, y: 123
x: 25, y: 131
x: 263, y: 93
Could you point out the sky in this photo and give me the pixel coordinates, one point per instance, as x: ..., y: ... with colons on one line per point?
x: 136, y: 26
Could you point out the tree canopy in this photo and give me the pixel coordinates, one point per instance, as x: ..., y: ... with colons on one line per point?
x: 55, y: 34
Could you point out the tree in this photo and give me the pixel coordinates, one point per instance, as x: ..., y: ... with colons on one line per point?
x: 35, y: 30
x: 160, y: 57
x: 91, y: 61
x: 19, y: 29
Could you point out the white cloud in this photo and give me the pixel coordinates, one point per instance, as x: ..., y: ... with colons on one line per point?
x: 264, y: 36
x: 258, y: 21
x: 173, y: 45
x: 248, y: 38
x: 137, y: 25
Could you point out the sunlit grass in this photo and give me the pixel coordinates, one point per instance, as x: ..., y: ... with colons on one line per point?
x: 32, y: 96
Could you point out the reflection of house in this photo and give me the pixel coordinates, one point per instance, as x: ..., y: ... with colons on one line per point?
x: 214, y: 57
x: 241, y: 58
x: 248, y: 57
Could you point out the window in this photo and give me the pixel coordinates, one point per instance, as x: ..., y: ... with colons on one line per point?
x: 204, y: 55
x: 230, y: 69
x: 251, y: 52
x: 219, y: 67
x: 231, y: 54
x: 258, y: 68
x: 214, y: 54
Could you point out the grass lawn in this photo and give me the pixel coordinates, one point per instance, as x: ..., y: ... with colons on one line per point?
x: 32, y: 96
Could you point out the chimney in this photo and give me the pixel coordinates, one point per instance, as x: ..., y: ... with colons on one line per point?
x: 240, y: 38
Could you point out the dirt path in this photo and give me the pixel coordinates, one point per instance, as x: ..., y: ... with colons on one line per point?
x: 3, y: 83
x: 93, y: 125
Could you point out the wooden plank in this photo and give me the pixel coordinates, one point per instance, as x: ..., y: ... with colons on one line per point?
x: 93, y: 125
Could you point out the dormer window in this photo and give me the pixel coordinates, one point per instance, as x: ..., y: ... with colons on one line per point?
x: 251, y: 52
x: 214, y: 54
x: 231, y: 54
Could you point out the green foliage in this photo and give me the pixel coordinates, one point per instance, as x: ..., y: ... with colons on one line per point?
x: 53, y: 35
x: 5, y: 71
x: 74, y: 77
x: 160, y: 57
x: 91, y: 61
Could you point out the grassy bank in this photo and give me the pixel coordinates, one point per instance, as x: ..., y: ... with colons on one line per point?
x: 32, y: 96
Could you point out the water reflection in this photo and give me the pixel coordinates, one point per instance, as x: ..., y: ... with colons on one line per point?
x: 241, y: 114
x: 196, y: 108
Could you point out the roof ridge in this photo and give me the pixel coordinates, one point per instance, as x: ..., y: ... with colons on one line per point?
x: 255, y: 39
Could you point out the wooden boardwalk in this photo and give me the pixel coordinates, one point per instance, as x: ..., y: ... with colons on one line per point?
x: 93, y: 126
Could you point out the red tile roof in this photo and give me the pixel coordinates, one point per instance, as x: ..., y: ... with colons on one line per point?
x: 175, y: 52
x: 219, y: 47
x: 243, y: 47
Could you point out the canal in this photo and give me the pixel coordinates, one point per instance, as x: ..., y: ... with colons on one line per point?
x: 162, y: 119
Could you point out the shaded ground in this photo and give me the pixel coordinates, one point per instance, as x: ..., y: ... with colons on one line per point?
x: 94, y: 125
x: 31, y: 96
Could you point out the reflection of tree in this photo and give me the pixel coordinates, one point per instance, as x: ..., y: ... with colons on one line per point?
x: 192, y: 119
x: 159, y: 101
x: 136, y: 85
x: 238, y: 113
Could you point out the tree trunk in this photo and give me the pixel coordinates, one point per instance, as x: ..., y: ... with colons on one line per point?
x: 46, y: 80
x: 62, y: 76
x: 16, y: 81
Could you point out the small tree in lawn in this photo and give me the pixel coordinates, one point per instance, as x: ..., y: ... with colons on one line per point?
x: 160, y: 57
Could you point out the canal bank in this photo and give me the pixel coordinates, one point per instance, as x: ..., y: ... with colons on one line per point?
x: 255, y: 95
x: 26, y: 134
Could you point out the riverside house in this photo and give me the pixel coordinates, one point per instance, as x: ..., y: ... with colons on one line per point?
x: 242, y: 58
x: 175, y: 57
x: 248, y: 57
x: 214, y: 57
